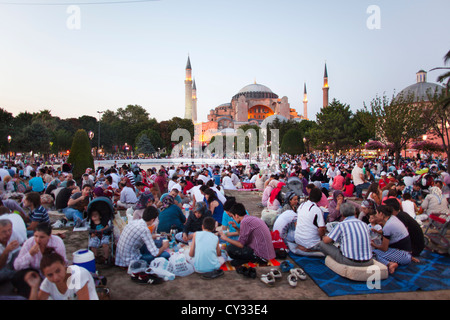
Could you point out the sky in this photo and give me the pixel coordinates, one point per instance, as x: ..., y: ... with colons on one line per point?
x: 78, y: 57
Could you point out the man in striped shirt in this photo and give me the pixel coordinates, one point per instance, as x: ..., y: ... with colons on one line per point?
x: 353, y: 236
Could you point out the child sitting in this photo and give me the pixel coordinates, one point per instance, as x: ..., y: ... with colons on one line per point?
x: 99, y: 235
x: 206, y: 251
x: 375, y: 230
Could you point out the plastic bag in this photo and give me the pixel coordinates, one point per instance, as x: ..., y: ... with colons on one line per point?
x: 162, y: 268
x: 137, y: 266
x: 181, y: 267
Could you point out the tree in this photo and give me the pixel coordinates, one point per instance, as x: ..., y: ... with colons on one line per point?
x: 335, y: 127
x: 80, y: 154
x: 292, y: 142
x: 437, y: 117
x: 34, y: 137
x: 144, y: 145
x: 398, y: 121
x: 445, y: 77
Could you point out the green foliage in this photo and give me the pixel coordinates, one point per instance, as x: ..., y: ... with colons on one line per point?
x: 34, y: 137
x: 335, y: 127
x: 80, y: 154
x: 292, y: 142
x: 397, y: 121
x: 144, y: 145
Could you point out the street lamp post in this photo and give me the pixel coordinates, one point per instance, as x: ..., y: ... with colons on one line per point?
x: 99, y: 115
x: 9, y: 149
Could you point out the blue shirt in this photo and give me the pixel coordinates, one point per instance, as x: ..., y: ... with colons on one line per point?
x: 36, y: 184
x: 205, y: 257
x: 353, y: 235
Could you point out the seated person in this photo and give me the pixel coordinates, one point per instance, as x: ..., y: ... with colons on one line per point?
x: 255, y: 240
x: 30, y: 255
x: 77, y: 205
x: 194, y: 222
x: 310, y: 226
x: 38, y: 213
x: 136, y: 241
x: 353, y: 236
x: 9, y: 249
x: 205, y: 249
x: 170, y: 216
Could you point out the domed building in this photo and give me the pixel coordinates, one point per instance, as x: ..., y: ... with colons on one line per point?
x: 252, y: 104
x: 421, y: 89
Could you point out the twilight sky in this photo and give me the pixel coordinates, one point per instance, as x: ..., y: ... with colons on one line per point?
x: 91, y: 57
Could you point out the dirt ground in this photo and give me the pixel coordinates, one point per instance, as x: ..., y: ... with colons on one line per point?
x: 231, y: 286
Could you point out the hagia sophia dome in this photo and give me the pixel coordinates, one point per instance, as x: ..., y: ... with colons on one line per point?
x: 421, y: 89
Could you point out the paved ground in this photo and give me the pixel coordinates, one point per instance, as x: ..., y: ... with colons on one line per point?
x: 231, y: 286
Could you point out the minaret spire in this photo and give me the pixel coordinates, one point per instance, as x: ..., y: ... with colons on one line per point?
x: 188, y: 91
x: 305, y: 103
x: 325, y: 86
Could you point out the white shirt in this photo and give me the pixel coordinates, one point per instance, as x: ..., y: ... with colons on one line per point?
x: 196, y: 193
x: 19, y: 229
x: 227, y: 183
x: 356, y: 175
x: 79, y: 278
x: 127, y: 195
x: 408, y: 207
x: 306, y: 232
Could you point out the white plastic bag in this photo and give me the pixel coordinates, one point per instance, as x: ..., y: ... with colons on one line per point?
x: 137, y: 266
x: 181, y: 267
x: 162, y: 268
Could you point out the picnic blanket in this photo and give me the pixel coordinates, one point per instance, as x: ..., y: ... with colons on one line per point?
x: 431, y: 273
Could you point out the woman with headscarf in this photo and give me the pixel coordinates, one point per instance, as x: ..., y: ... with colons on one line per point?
x: 291, y: 202
x: 434, y: 203
x: 275, y: 200
x: 334, y: 213
x: 268, y: 190
x: 194, y: 222
x: 171, y: 216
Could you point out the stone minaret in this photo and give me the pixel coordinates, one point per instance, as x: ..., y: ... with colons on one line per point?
x: 305, y: 103
x: 325, y: 87
x: 194, y: 103
x: 188, y: 91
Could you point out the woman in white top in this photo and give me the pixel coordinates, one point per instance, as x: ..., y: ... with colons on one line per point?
x: 61, y: 282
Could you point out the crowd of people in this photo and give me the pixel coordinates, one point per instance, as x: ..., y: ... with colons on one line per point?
x: 319, y: 205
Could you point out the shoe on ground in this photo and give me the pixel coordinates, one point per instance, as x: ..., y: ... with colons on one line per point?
x: 299, y: 273
x: 276, y: 274
x: 292, y: 280
x: 268, y: 279
x: 213, y: 274
x: 285, y: 266
x: 251, y: 273
x: 147, y: 278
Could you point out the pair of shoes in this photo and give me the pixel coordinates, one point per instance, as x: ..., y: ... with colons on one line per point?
x: 285, y: 266
x: 271, y: 277
x: 268, y: 279
x: 299, y: 273
x: 147, y: 278
x: 213, y: 274
x: 246, y: 272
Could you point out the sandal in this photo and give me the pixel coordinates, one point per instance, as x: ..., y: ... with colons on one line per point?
x: 285, y: 266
